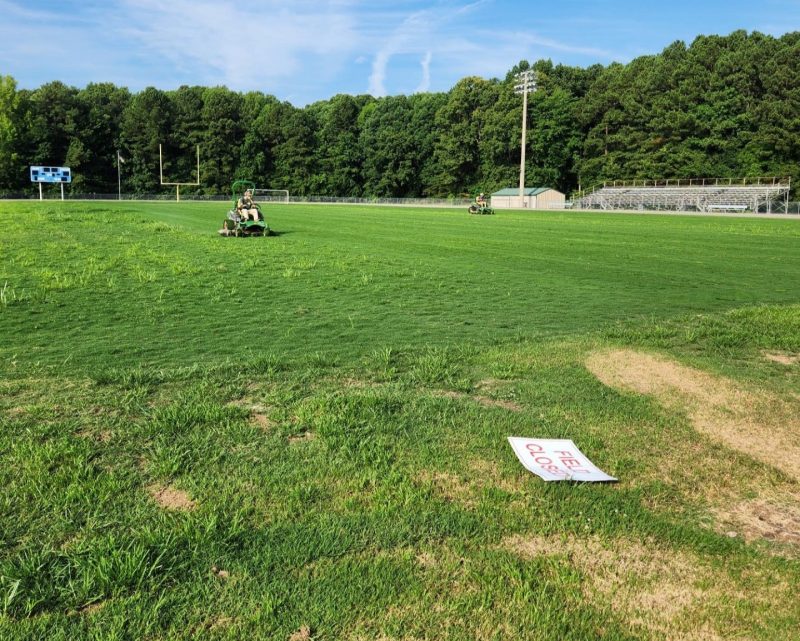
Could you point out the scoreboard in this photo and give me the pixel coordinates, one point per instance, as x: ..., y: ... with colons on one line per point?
x: 51, y: 175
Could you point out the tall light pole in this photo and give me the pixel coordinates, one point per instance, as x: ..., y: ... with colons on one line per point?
x: 526, y: 83
x: 119, y: 176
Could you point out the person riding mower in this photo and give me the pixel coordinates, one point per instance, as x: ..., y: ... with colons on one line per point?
x: 245, y: 217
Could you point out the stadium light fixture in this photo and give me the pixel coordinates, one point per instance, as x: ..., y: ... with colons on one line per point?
x: 526, y: 83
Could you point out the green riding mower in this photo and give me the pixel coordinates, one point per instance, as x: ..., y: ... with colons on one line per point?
x: 480, y: 209
x: 239, y: 222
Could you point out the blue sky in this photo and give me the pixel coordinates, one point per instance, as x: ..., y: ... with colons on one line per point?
x: 304, y: 51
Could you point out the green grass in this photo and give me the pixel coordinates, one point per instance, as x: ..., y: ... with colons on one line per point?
x: 317, y: 395
x: 151, y: 284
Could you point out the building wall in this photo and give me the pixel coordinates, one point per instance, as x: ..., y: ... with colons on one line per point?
x: 550, y: 199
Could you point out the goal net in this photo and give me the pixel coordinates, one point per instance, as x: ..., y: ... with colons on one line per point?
x: 271, y: 195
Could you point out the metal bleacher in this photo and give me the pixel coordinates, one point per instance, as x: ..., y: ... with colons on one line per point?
x: 699, y: 194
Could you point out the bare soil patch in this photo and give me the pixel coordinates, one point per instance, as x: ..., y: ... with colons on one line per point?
x: 221, y: 622
x: 89, y: 609
x: 784, y: 358
x: 262, y: 421
x: 757, y: 424
x: 220, y: 574
x: 303, y: 634
x: 171, y: 498
x: 356, y: 383
x: 775, y: 520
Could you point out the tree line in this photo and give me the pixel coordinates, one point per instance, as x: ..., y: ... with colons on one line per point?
x: 725, y: 106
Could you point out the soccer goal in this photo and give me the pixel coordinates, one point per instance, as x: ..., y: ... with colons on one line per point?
x: 271, y: 195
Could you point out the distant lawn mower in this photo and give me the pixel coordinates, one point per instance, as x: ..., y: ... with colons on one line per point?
x: 240, y: 219
x: 481, y: 209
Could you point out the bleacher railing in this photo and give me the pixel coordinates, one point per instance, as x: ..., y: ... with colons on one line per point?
x: 770, y: 181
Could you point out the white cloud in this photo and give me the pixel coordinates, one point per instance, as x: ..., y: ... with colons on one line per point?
x: 241, y: 46
x: 425, y: 84
x: 302, y: 50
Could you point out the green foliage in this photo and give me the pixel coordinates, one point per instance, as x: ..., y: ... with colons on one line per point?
x: 724, y: 106
x: 9, y: 124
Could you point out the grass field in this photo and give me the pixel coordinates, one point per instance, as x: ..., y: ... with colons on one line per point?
x: 304, y: 436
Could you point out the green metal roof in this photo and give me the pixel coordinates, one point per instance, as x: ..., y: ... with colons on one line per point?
x: 514, y: 191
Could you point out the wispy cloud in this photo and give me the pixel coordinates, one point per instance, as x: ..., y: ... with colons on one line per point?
x: 425, y: 84
x: 408, y: 37
x: 305, y: 50
x: 277, y: 46
x: 240, y: 45
x: 418, y: 34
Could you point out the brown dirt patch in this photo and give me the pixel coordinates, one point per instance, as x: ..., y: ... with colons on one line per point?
x: 783, y: 358
x: 262, y: 421
x: 465, y: 487
x: 89, y: 609
x: 171, y: 498
x: 220, y: 574
x: 775, y: 520
x: 356, y: 383
x: 757, y: 424
x: 303, y: 634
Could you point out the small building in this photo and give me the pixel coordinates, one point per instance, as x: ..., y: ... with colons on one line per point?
x: 534, y: 198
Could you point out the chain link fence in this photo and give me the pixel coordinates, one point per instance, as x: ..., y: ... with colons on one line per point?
x: 331, y: 200
x: 792, y: 208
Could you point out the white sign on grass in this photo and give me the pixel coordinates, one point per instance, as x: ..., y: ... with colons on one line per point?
x: 556, y: 460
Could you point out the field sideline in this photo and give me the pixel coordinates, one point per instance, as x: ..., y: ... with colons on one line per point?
x: 303, y: 436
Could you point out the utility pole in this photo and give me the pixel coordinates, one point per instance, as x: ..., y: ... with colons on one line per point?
x: 119, y: 176
x: 526, y: 83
